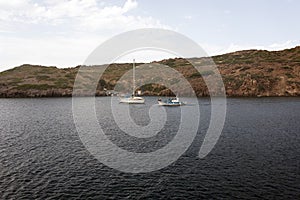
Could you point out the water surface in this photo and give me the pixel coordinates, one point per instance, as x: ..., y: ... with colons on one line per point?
x: 256, y: 157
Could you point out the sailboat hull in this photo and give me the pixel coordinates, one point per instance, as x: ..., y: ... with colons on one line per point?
x: 170, y: 104
x: 133, y: 100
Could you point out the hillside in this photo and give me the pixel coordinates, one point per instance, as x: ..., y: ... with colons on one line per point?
x: 245, y: 73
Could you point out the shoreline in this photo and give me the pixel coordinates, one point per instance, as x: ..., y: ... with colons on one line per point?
x: 106, y: 96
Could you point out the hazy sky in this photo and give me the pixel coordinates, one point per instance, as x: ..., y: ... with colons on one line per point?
x: 63, y: 33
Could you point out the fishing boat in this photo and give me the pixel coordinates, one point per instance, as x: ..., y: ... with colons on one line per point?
x: 132, y: 99
x: 170, y: 102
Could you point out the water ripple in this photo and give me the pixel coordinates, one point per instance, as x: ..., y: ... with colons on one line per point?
x: 257, y: 156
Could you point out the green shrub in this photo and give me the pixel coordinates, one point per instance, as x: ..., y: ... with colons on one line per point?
x: 33, y: 87
x: 228, y: 78
x: 244, y: 68
x: 70, y: 75
x: 195, y: 75
x: 203, y: 73
x: 15, y: 81
x: 261, y: 88
x: 286, y: 67
x: 289, y: 75
x: 147, y: 87
x: 207, y: 73
x: 61, y: 83
x: 238, y: 84
x: 42, y: 77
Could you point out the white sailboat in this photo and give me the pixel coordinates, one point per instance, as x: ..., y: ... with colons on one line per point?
x: 133, y: 99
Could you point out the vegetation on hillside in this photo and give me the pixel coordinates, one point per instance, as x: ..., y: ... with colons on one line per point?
x: 244, y: 73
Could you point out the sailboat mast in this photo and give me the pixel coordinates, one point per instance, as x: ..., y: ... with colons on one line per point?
x: 133, y: 70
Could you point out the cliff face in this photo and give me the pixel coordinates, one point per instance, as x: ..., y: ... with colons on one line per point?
x: 244, y: 73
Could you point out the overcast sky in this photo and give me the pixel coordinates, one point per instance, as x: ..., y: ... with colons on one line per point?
x: 63, y: 33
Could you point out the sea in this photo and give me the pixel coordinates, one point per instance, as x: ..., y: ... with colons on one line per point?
x: 43, y: 155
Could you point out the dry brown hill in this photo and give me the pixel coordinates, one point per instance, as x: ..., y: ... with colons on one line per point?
x: 245, y: 73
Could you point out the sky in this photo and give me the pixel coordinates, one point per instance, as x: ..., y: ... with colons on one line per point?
x: 63, y: 33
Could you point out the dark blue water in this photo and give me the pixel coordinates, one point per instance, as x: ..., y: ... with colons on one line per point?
x: 256, y: 157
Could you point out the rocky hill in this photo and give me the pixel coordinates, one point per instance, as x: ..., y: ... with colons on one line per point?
x: 245, y: 73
